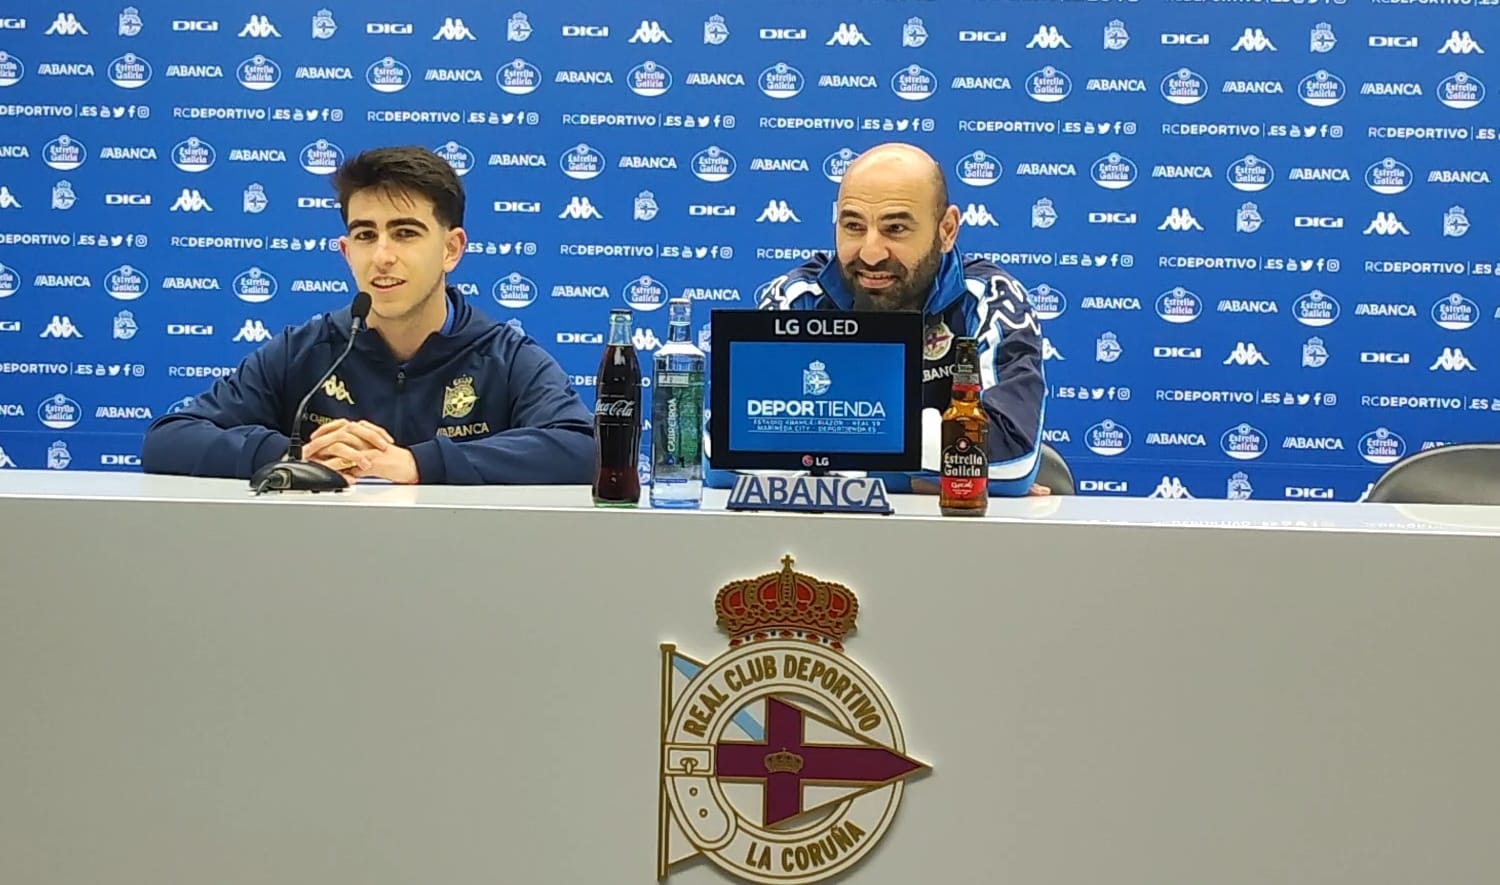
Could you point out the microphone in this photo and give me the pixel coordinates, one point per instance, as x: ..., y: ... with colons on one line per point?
x: 292, y: 474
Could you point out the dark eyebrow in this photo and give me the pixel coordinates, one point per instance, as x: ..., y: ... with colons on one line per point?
x: 393, y: 223
x: 899, y: 215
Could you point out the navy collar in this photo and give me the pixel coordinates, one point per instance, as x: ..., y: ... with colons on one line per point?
x: 946, y: 288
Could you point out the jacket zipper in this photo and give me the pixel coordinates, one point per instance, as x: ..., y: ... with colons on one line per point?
x: 400, y: 386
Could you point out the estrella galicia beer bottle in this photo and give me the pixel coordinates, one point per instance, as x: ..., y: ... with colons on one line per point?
x: 964, y: 472
x: 617, y: 418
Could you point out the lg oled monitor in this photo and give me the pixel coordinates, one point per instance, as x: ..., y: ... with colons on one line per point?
x: 815, y: 390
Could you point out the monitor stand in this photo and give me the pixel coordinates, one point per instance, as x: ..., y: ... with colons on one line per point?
x: 815, y: 491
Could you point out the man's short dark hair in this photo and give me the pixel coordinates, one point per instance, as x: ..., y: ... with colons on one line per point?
x: 403, y: 170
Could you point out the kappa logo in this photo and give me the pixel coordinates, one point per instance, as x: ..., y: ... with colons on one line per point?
x: 1170, y: 487
x: 454, y: 29
x: 259, y: 26
x: 847, y: 34
x: 1246, y: 355
x: 778, y: 212
x: 1386, y: 224
x: 580, y: 208
x: 1179, y: 219
x: 335, y: 389
x: 62, y: 327
x: 67, y: 25
x: 7, y: 199
x: 977, y: 215
x: 1452, y: 359
x: 1459, y: 43
x: 1047, y: 37
x: 1253, y: 40
x: 253, y: 331
x: 459, y: 397
x: 784, y: 709
x: 190, y: 201
x: 649, y: 32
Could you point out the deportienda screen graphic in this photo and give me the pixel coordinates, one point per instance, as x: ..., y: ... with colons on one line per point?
x: 816, y: 397
x: 1274, y: 214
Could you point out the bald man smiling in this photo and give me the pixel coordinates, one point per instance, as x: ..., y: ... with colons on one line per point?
x: 896, y: 239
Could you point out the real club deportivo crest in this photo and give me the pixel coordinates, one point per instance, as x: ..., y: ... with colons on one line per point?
x: 782, y: 760
x: 459, y: 398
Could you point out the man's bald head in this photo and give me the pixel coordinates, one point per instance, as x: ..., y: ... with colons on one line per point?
x: 902, y: 166
x: 894, y: 227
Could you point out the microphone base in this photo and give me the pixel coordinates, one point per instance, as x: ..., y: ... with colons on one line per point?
x: 297, y: 476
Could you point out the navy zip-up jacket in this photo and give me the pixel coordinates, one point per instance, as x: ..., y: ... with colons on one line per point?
x: 478, y: 404
x: 970, y: 298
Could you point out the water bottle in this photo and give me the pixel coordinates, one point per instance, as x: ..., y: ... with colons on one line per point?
x: 677, y: 372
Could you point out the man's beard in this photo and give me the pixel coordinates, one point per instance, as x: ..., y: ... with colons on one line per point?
x: 910, y: 290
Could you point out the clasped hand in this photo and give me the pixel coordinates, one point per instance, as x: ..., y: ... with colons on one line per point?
x: 358, y: 449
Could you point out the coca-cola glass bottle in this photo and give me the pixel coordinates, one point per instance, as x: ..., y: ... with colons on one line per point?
x: 617, y: 418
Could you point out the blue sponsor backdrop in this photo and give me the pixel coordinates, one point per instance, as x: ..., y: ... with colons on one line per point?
x: 1256, y: 233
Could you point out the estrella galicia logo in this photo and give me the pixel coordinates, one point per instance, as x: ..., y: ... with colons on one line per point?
x: 388, y: 75
x: 514, y: 291
x: 11, y: 69
x: 1455, y: 313
x: 1381, y: 446
x: 518, y: 77
x: 181, y: 405
x: 59, y: 412
x: 1251, y: 174
x: 1046, y: 302
x: 781, y: 80
x: 1184, y: 86
x: 1179, y: 306
x: 914, y: 83
x: 1243, y: 443
x: 1049, y: 85
x: 1114, y: 172
x: 64, y: 153
x: 10, y: 281
x: 258, y: 73
x: 254, y: 286
x: 1316, y: 309
x: 714, y: 164
x: 1107, y: 438
x: 1389, y: 176
x: 1461, y: 91
x: 193, y: 155
x: 457, y: 156
x: 322, y: 157
x: 582, y: 162
x: 815, y: 379
x: 1321, y: 89
x: 645, y: 293
x: 979, y: 169
x: 125, y: 283
x: 129, y: 71
x: 649, y: 79
x: 837, y: 163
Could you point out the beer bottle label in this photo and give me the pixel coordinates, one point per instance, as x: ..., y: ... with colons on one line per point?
x: 964, y: 471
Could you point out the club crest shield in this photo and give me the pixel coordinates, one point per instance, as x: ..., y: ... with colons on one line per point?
x: 782, y: 760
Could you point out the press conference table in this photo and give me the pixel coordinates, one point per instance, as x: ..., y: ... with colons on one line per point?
x: 462, y: 685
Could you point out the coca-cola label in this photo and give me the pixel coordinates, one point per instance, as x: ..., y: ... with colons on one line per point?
x: 618, y: 408
x: 963, y: 470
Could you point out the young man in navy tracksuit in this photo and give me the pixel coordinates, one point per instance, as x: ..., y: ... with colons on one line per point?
x: 433, y: 392
x: 896, y: 238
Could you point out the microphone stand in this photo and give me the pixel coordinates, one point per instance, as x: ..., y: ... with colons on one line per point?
x: 293, y: 474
